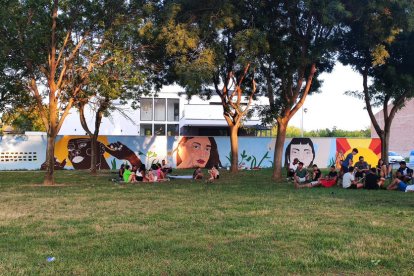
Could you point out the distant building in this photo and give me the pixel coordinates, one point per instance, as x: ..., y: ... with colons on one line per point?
x: 170, y: 114
x: 402, y: 129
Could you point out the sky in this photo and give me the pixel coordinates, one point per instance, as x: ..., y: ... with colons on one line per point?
x: 331, y: 107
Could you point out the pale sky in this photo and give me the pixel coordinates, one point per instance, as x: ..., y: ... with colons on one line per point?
x: 331, y: 107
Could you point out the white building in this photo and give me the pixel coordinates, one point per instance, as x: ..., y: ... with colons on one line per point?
x: 169, y: 113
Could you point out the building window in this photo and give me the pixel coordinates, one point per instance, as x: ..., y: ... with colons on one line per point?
x: 159, y: 129
x: 159, y: 110
x: 146, y: 109
x: 146, y: 129
x: 173, y: 109
x: 172, y: 130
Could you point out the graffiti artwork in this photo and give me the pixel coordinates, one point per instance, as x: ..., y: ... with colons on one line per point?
x: 370, y: 149
x: 194, y: 152
x: 302, y: 149
x: 75, y: 152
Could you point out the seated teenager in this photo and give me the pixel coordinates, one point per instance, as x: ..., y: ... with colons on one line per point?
x: 330, y: 179
x: 316, y: 175
x: 153, y: 173
x: 383, y: 170
x: 165, y: 167
x: 292, y: 169
x: 160, y: 174
x: 373, y: 181
x: 121, y: 172
x: 197, y: 174
x: 128, y: 175
x: 214, y: 173
x: 361, y: 167
x: 401, y: 185
x: 404, y: 171
x: 301, y: 175
x: 140, y: 174
x: 348, y: 180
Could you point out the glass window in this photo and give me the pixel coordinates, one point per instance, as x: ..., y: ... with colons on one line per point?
x: 159, y: 109
x: 172, y: 130
x: 146, y: 130
x: 173, y: 109
x: 146, y: 109
x: 159, y: 129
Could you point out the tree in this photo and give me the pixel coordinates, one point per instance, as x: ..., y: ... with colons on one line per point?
x: 46, y: 42
x: 379, y: 45
x: 302, y: 36
x: 214, y: 46
x: 23, y: 119
x: 120, y: 80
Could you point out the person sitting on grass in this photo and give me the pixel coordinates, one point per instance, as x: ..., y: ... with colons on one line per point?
x: 373, y: 181
x: 292, y: 169
x: 401, y: 185
x: 301, y: 175
x: 361, y: 168
x: 316, y: 175
x: 214, y: 173
x: 197, y: 174
x: 404, y: 171
x: 330, y: 179
x: 140, y: 174
x: 165, y: 167
x: 128, y: 175
x: 348, y: 180
x: 121, y: 172
x: 383, y: 170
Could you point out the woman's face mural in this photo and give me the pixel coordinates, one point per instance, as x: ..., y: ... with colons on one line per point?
x: 302, y: 149
x: 194, y: 152
x: 302, y: 152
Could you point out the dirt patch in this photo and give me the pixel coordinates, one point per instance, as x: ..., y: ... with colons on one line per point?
x: 53, y: 186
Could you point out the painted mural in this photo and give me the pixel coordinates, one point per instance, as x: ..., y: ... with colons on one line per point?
x: 197, y: 152
x: 74, y: 152
x: 319, y: 151
x: 370, y: 149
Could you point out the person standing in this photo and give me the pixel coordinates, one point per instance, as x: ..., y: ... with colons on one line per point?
x: 348, y: 161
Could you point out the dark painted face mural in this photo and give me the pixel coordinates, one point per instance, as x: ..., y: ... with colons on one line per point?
x: 194, y: 152
x: 302, y: 149
x: 78, y: 153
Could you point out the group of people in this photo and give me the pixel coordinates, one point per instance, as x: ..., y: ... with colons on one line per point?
x: 157, y: 173
x: 354, y: 176
x: 213, y: 173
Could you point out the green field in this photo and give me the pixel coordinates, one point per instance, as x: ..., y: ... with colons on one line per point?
x: 239, y: 225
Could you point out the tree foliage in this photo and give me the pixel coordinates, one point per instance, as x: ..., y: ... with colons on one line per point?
x: 55, y: 47
x: 378, y: 44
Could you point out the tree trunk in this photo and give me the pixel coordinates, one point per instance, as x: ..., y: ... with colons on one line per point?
x: 385, y: 138
x: 278, y: 154
x: 50, y: 161
x: 94, y: 142
x: 234, y: 144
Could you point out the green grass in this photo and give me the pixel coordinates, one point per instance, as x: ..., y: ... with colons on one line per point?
x: 239, y: 225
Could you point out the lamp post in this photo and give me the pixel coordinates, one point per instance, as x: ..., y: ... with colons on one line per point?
x: 304, y: 110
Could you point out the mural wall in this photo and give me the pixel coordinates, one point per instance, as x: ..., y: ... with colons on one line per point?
x: 74, y: 152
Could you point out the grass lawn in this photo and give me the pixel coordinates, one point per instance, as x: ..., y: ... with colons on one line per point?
x: 239, y: 225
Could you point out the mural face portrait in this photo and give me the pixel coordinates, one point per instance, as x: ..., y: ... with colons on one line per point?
x: 302, y: 149
x: 79, y: 154
x: 197, y: 152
